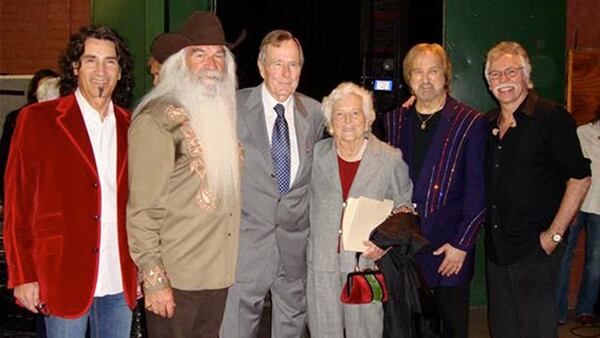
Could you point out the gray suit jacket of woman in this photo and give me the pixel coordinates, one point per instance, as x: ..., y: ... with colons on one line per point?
x: 382, y: 174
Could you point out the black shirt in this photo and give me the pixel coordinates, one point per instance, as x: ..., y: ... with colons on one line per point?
x: 421, y: 139
x: 526, y: 175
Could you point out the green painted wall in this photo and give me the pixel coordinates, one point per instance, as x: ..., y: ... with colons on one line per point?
x: 180, y: 9
x: 471, y: 28
x: 139, y: 21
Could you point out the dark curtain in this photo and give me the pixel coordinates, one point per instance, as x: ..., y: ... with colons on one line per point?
x: 327, y: 30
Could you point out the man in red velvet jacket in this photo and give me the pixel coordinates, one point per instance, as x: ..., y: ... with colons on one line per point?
x: 66, y: 194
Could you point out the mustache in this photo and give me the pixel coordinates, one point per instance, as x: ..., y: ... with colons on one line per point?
x: 426, y: 84
x: 505, y: 85
x: 210, y: 74
x: 206, y: 82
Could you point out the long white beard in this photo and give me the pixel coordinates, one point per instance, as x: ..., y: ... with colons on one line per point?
x: 212, y: 113
x: 211, y: 110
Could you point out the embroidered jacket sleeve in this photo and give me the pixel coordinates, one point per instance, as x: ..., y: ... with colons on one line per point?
x: 473, y: 206
x: 151, y: 162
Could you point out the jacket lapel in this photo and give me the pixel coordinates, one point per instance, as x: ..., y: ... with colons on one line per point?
x: 255, y: 123
x: 434, y: 152
x: 71, y: 121
x: 302, y: 127
x: 367, y: 168
x: 329, y: 162
x: 122, y: 123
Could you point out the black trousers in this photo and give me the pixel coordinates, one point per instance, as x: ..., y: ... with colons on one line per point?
x: 197, y: 314
x: 452, y: 304
x: 522, y: 296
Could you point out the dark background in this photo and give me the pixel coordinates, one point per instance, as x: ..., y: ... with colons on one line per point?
x: 342, y: 41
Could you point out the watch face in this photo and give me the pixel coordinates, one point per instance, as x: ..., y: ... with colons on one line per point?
x: 556, y: 238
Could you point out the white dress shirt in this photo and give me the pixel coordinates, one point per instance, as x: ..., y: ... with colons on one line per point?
x: 270, y: 115
x: 103, y: 137
x: 589, y: 137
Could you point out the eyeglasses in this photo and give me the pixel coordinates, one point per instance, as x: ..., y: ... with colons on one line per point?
x: 510, y: 73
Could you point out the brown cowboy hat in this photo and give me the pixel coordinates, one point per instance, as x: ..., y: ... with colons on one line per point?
x: 200, y: 28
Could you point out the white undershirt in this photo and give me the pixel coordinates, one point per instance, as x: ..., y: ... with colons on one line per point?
x: 589, y: 136
x: 270, y: 115
x: 103, y: 137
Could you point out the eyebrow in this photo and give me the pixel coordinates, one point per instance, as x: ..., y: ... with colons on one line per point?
x: 202, y: 49
x: 92, y: 56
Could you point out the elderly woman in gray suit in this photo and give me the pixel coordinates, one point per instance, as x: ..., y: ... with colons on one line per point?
x: 353, y: 163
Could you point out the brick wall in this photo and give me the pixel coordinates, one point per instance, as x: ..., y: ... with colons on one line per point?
x: 582, y: 33
x: 34, y: 33
x: 582, y: 24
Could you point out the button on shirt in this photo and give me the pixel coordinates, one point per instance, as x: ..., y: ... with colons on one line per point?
x: 103, y: 137
x: 270, y: 115
x: 526, y: 173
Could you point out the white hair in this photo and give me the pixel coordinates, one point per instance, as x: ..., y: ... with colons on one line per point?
x: 48, y: 89
x: 211, y: 110
x: 342, y: 91
x: 510, y: 48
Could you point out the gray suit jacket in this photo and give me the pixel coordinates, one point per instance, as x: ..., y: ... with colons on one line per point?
x: 269, y: 219
x: 382, y: 174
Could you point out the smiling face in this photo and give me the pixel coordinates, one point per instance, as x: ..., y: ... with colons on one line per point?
x: 97, y: 70
x: 427, y: 79
x: 207, y: 62
x: 281, y: 69
x: 507, y: 80
x: 348, y: 119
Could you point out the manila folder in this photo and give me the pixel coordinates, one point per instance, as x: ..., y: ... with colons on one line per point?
x: 361, y: 216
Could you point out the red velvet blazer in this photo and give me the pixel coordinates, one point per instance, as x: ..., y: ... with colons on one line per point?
x: 52, y: 207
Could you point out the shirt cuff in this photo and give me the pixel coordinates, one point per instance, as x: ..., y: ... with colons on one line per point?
x: 154, y: 277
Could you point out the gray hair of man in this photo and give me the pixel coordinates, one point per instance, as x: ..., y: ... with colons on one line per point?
x: 175, y: 76
x: 342, y: 91
x: 211, y: 110
x: 511, y: 48
x: 276, y: 38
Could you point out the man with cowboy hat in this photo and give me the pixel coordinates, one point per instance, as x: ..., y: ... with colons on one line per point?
x: 183, y: 213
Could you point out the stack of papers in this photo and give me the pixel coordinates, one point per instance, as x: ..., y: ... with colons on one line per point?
x: 361, y: 216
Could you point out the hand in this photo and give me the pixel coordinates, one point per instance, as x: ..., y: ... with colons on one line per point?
x: 139, y: 291
x: 409, y: 102
x: 404, y: 209
x: 139, y: 294
x: 373, y: 252
x: 453, y: 261
x: 546, y: 242
x: 28, y: 295
x: 161, y: 303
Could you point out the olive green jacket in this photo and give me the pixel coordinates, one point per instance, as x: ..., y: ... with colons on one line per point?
x: 174, y: 223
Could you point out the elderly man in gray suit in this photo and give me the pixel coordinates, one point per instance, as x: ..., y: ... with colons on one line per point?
x: 277, y: 128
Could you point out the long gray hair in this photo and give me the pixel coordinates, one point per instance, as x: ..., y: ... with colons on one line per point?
x: 211, y: 110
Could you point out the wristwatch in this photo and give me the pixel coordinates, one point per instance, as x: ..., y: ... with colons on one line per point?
x: 556, y: 237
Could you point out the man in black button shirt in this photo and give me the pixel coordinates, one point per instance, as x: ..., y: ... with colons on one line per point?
x: 536, y: 180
